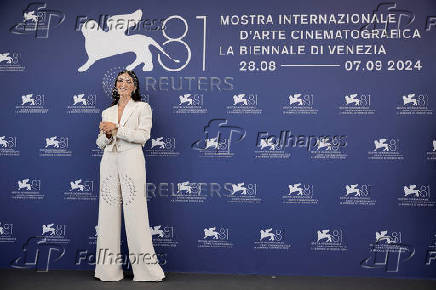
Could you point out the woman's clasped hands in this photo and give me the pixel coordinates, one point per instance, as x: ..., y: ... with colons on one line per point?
x: 108, y: 128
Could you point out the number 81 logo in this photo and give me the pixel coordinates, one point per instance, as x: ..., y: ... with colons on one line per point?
x: 176, y: 40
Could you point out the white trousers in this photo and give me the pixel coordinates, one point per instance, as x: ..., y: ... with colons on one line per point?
x: 122, y: 189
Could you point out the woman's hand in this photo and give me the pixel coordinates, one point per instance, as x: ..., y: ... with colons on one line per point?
x: 107, y: 127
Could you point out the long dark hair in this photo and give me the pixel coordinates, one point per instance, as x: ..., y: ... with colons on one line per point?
x: 135, y: 95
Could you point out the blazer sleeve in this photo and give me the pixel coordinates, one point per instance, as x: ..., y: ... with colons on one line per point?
x: 102, y: 140
x: 141, y: 134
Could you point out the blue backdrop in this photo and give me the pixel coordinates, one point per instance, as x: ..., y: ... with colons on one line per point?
x: 289, y: 138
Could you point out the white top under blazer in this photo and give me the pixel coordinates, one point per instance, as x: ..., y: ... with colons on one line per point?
x: 133, y: 130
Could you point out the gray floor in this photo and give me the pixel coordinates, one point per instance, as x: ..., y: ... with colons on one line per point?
x: 84, y: 280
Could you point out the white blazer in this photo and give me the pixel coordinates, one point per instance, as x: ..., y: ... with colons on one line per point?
x: 134, y: 127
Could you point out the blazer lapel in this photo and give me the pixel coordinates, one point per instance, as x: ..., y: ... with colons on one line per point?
x: 114, y: 114
x: 128, y: 110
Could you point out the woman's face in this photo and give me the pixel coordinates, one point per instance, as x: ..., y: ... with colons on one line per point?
x: 125, y: 84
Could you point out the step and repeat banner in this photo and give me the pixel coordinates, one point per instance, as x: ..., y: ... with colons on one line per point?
x: 289, y: 137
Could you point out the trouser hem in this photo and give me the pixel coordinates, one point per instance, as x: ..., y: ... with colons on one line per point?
x: 105, y: 278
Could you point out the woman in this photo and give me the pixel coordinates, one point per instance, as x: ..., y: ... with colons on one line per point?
x: 124, y: 129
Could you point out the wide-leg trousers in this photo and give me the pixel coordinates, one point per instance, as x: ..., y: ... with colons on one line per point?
x: 122, y: 189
